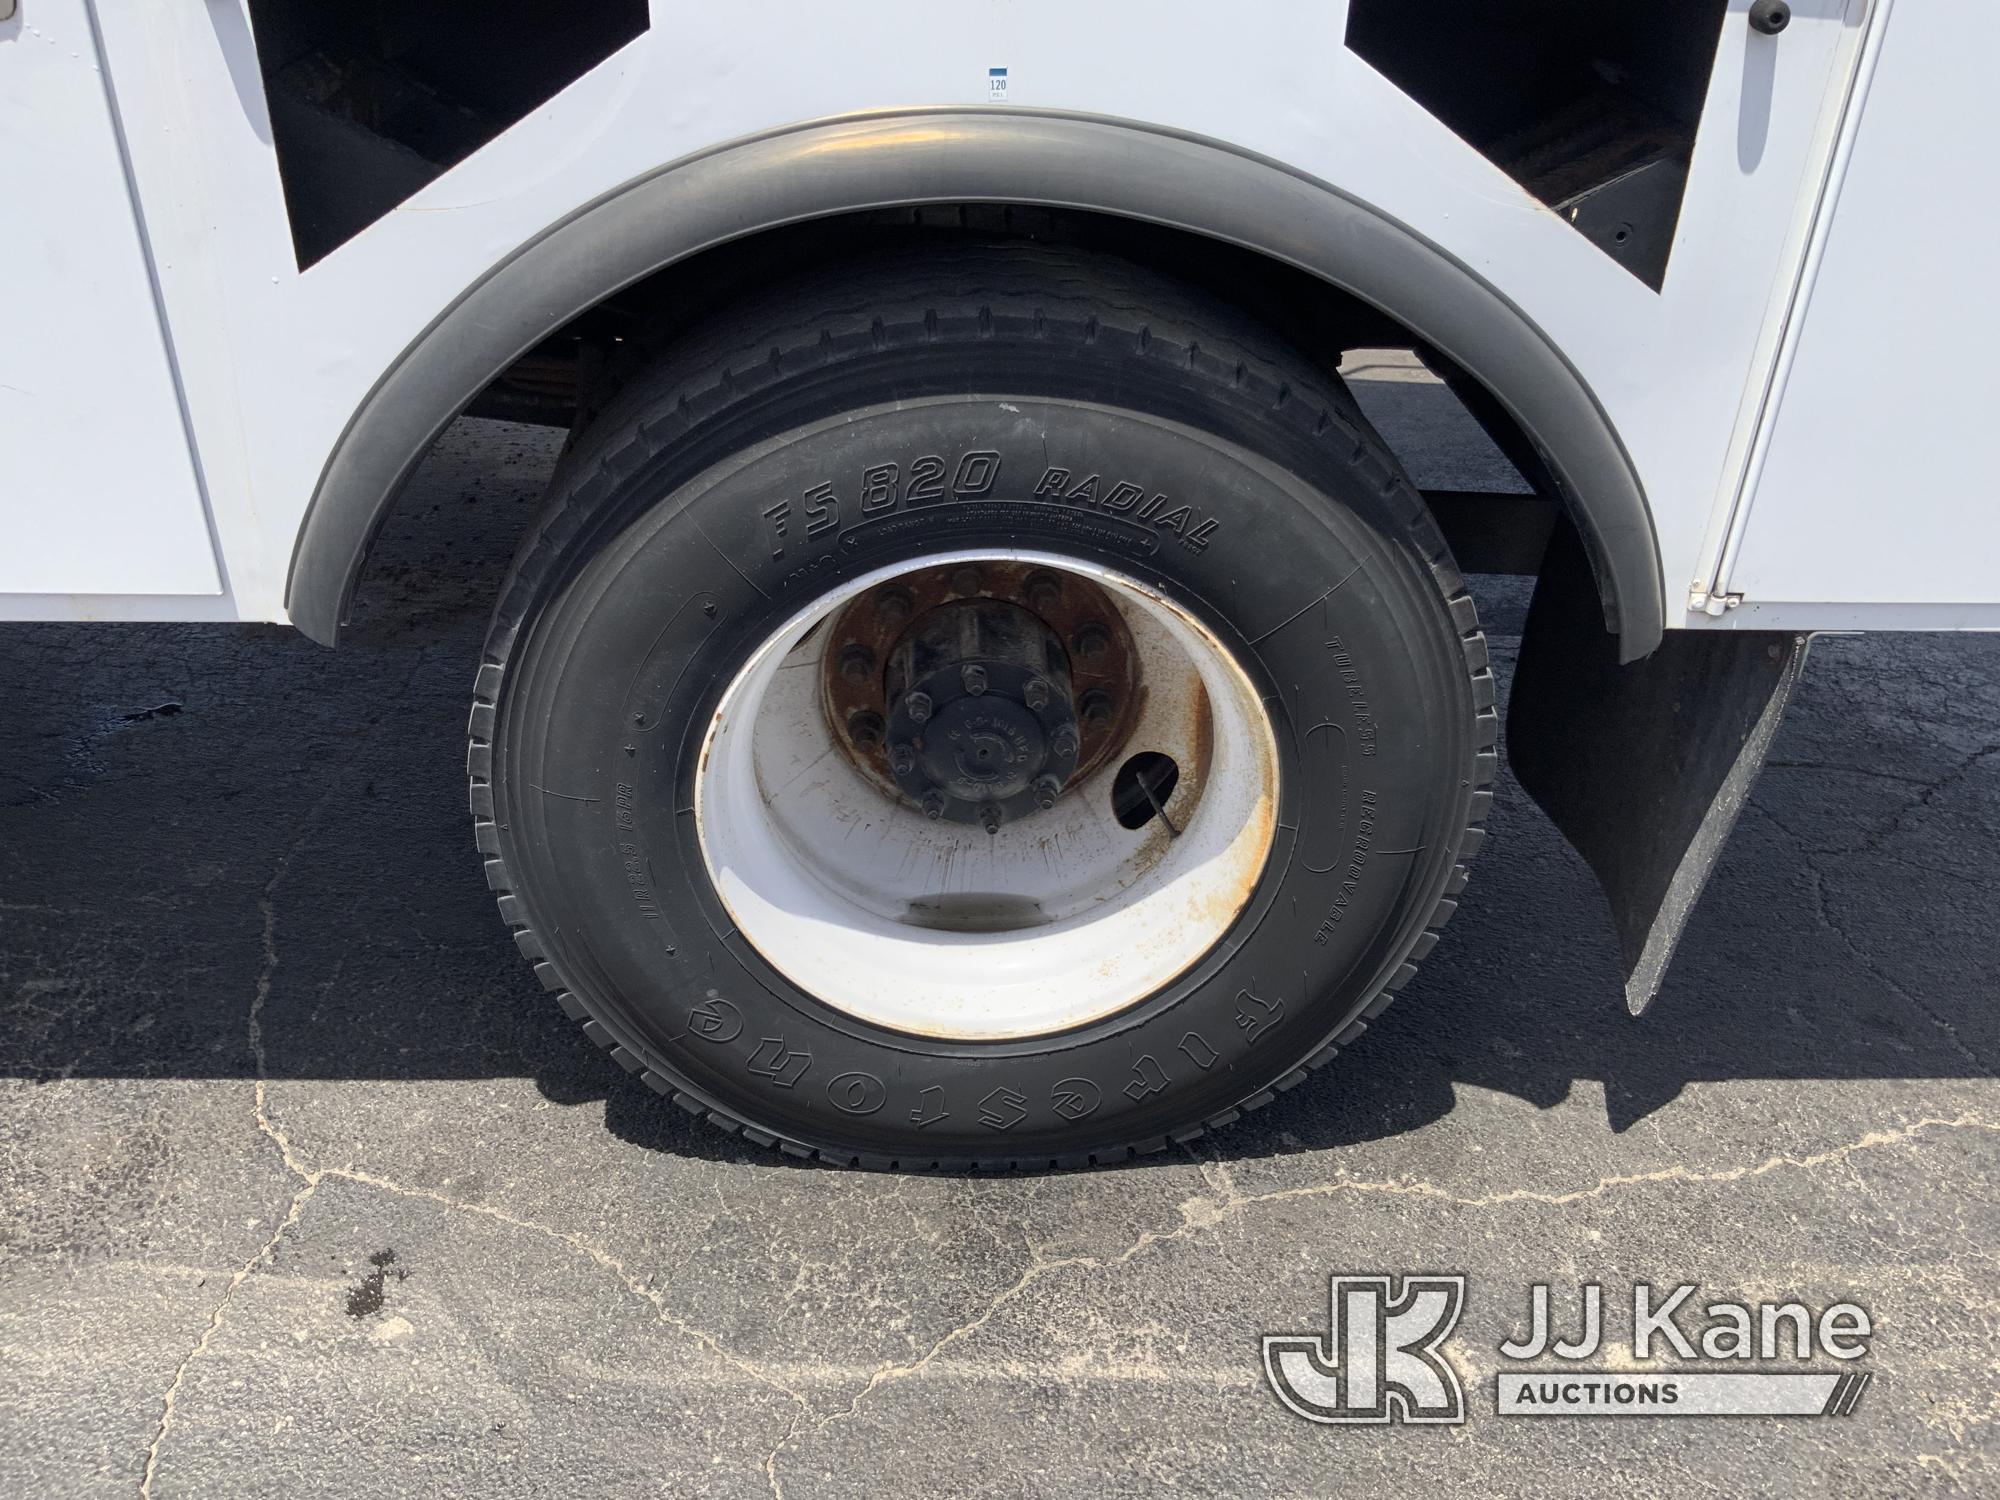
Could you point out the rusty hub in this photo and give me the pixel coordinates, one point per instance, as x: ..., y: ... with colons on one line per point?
x: 863, y: 638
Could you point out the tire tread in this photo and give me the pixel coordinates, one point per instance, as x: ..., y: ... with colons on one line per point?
x: 712, y: 371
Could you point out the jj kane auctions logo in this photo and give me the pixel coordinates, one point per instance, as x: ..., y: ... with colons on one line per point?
x: 1382, y: 1358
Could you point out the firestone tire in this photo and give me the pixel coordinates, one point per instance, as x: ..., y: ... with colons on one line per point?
x: 1021, y: 399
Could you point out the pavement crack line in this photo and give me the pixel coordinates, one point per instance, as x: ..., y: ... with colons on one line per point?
x: 208, y: 1333
x: 1197, y: 1214
x: 267, y: 908
x: 310, y: 1177
x: 1868, y: 772
x: 1823, y: 905
x: 1201, y: 1213
x: 1937, y: 789
x: 595, y: 1254
x: 1828, y: 918
x: 309, y: 1180
x: 1934, y: 788
x: 1874, y: 1140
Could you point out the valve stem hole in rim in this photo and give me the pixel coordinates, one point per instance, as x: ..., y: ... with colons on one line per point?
x: 993, y: 796
x: 1142, y: 788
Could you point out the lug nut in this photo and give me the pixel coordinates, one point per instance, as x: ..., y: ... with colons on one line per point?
x: 857, y: 663
x: 933, y: 804
x: 893, y: 606
x: 974, y: 677
x: 1063, y: 741
x: 1047, y: 789
x: 1041, y: 591
x: 1036, y: 694
x: 865, y: 729
x: 903, y: 759
x: 1090, y: 639
x: 965, y: 580
x: 1095, y: 709
x: 918, y: 707
x: 989, y: 817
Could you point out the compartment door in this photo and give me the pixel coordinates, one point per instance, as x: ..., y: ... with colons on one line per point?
x: 98, y: 489
x: 1875, y: 504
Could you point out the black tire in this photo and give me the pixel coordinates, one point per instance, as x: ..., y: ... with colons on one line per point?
x: 1307, y: 550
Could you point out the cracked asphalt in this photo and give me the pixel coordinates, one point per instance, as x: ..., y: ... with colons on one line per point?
x: 306, y: 1188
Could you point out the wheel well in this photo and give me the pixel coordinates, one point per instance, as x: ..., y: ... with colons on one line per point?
x: 570, y: 375
x: 567, y: 374
x: 1327, y: 270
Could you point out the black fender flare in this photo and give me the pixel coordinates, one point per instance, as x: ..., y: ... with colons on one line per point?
x: 906, y: 158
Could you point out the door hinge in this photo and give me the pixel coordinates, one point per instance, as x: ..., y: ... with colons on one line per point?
x: 1702, y: 602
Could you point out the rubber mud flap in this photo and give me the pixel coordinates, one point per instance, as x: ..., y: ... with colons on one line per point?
x: 1644, y: 766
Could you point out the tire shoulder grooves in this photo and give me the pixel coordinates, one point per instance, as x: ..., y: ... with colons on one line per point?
x: 657, y: 407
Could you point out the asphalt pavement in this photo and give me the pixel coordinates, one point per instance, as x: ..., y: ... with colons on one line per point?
x: 307, y: 1189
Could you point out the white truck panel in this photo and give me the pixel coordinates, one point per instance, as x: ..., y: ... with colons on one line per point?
x: 273, y: 361
x: 1877, y: 489
x: 285, y: 367
x: 98, y: 488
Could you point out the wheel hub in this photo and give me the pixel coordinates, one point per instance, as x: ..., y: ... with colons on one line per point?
x: 982, y: 728
x: 1050, y: 651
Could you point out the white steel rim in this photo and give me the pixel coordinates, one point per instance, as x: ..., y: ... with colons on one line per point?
x: 940, y: 929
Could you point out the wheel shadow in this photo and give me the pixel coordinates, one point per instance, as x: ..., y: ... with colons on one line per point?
x: 193, y: 816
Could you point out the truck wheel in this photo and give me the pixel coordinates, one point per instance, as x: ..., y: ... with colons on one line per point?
x: 992, y: 708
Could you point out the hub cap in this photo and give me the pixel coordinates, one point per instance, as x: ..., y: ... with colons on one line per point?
x: 981, y: 727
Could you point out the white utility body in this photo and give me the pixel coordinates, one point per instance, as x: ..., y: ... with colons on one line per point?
x: 1803, y: 399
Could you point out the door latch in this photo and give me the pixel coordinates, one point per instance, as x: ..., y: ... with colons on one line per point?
x: 1770, y: 16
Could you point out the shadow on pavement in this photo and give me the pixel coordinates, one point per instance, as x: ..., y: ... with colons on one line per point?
x: 190, y: 816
